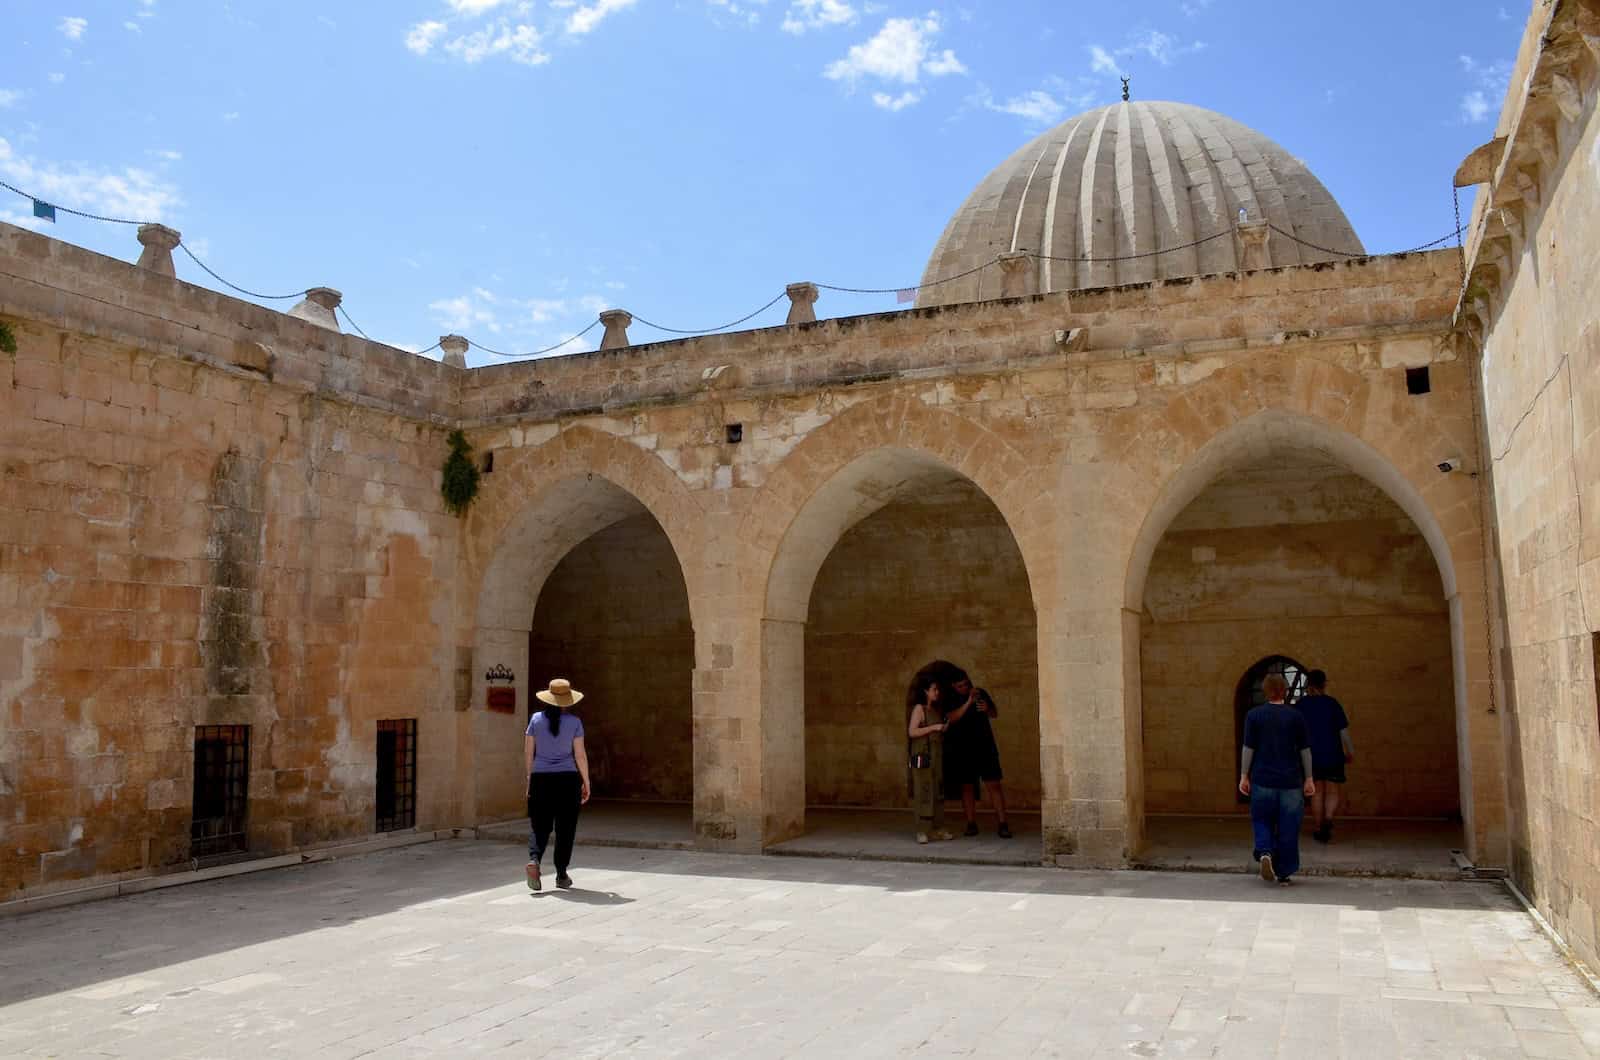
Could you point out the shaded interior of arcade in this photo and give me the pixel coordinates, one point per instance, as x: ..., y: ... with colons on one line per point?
x: 1285, y: 561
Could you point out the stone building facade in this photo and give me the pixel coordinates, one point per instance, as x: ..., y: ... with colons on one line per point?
x: 1112, y: 502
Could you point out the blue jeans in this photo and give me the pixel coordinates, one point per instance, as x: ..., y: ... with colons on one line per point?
x: 1275, y: 814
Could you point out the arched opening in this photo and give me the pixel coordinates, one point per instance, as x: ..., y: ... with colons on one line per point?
x: 585, y: 584
x: 897, y: 561
x: 1281, y: 557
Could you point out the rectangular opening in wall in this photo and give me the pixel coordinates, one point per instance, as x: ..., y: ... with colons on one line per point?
x: 221, y: 789
x: 397, y: 774
x: 1417, y: 380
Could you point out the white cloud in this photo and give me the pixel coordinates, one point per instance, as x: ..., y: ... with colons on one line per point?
x: 473, y: 8
x: 746, y: 10
x: 463, y: 314
x: 10, y: 96
x: 231, y: 115
x: 56, y: 77
x: 585, y: 19
x: 518, y: 42
x: 897, y: 53
x: 1490, y: 80
x: 817, y: 14
x: 421, y: 38
x: 1163, y: 48
x: 128, y: 192
x: 895, y: 103
x: 1037, y: 107
x: 169, y: 156
x: 73, y: 27
x: 147, y: 9
x: 1102, y: 61
x: 1192, y: 8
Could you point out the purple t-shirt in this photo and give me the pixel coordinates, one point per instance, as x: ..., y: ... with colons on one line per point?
x: 552, y: 752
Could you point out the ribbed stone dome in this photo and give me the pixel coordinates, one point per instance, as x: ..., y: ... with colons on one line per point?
x: 1129, y: 179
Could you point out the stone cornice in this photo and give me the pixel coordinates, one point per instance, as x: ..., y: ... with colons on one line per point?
x: 1542, y: 129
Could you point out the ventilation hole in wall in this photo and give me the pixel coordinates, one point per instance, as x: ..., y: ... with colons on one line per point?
x: 488, y: 461
x: 1417, y: 381
x: 735, y: 433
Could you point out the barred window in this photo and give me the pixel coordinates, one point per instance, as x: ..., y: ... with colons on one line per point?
x: 221, y: 790
x: 397, y: 774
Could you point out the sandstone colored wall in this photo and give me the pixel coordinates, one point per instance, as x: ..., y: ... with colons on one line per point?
x: 614, y: 620
x: 1535, y: 280
x: 1078, y: 417
x: 193, y: 533
x: 1316, y: 564
x: 937, y: 576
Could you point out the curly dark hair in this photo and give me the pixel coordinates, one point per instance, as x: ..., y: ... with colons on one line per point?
x: 944, y: 674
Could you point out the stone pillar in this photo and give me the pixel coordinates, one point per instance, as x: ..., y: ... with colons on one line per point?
x: 318, y: 307
x: 1016, y: 274
x: 159, y: 242
x: 802, y: 303
x: 455, y: 350
x: 1253, y: 250
x: 616, y: 322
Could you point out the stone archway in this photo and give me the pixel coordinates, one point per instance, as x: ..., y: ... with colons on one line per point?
x: 538, y: 510
x: 858, y: 465
x: 1364, y: 612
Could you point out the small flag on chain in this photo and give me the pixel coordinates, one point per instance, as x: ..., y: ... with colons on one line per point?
x: 904, y: 295
x: 44, y: 210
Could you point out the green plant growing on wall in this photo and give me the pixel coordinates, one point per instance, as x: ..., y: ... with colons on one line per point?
x: 8, y: 341
x: 460, y: 482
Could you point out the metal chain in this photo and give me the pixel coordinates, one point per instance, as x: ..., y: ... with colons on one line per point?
x: 708, y: 331
x: 70, y: 210
x: 535, y: 353
x: 266, y: 297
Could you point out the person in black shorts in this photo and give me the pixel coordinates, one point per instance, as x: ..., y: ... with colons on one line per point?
x: 971, y: 755
x: 1331, y: 750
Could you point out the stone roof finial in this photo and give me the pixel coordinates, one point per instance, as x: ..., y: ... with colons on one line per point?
x: 454, y: 348
x: 159, y: 242
x: 318, y: 307
x: 802, y: 303
x: 616, y: 322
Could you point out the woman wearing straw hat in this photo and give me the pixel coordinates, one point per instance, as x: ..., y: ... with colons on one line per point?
x: 558, y: 778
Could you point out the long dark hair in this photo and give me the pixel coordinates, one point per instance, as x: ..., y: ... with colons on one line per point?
x: 552, y: 718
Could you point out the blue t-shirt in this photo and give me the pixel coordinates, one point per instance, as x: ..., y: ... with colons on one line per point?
x: 552, y: 751
x: 1276, y: 732
x: 1324, y: 720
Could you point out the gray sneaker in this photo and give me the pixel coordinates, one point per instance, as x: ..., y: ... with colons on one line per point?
x: 1266, y: 868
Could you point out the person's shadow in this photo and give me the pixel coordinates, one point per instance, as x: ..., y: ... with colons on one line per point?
x: 582, y: 897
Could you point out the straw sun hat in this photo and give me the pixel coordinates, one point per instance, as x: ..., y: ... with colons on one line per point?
x: 560, y: 693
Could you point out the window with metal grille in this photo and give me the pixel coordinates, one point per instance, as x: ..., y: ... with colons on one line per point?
x: 397, y: 774
x: 221, y: 789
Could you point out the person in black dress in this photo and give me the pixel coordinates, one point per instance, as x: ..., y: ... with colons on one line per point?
x: 971, y: 756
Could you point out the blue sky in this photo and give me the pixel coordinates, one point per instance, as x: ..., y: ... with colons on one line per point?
x: 505, y: 169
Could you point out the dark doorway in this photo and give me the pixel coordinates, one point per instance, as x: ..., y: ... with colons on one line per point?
x: 221, y: 789
x: 397, y: 774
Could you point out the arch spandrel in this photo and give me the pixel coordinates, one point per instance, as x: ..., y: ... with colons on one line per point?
x: 1171, y: 452
x: 859, y: 456
x: 585, y: 480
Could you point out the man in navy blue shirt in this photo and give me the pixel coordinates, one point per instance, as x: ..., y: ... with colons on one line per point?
x: 1275, y: 772
x: 1329, y: 732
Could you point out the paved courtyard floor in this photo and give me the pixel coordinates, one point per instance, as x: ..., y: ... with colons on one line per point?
x: 439, y: 950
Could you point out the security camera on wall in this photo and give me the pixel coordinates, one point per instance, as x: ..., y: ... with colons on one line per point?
x: 1450, y: 464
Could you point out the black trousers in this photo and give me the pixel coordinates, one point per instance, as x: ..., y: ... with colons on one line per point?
x: 554, y: 800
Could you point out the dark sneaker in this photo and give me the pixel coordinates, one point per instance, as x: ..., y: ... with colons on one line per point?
x: 1323, y: 834
x: 972, y: 828
x: 1005, y: 830
x: 533, y: 875
x: 1265, y: 865
x: 563, y: 880
x: 1284, y: 881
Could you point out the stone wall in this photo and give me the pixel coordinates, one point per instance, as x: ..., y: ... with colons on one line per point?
x: 1536, y: 268
x: 613, y: 619
x: 1318, y: 565
x: 937, y: 576
x: 208, y: 515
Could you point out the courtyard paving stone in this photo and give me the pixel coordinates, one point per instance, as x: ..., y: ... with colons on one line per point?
x: 439, y: 950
